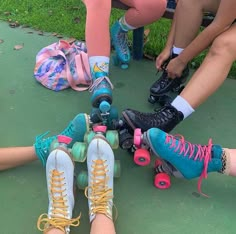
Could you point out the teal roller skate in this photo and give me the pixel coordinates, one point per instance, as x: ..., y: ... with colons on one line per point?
x: 190, y: 160
x: 102, y: 111
x: 120, y: 43
x: 75, y: 130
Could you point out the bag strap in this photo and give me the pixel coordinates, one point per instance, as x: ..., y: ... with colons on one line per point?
x: 83, y: 71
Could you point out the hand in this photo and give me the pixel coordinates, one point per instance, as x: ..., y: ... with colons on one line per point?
x: 162, y: 57
x: 175, y: 68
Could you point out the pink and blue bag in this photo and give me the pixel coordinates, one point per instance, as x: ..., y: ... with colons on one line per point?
x: 62, y: 65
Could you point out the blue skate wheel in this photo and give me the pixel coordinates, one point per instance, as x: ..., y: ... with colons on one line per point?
x: 124, y: 66
x: 104, y: 106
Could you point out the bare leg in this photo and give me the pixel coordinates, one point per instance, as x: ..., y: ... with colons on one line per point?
x: 186, y: 30
x: 55, y: 231
x: 102, y: 225
x: 214, y: 69
x: 16, y: 156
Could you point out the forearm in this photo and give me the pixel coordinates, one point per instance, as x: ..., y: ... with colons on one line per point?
x: 16, y: 156
x: 200, y: 43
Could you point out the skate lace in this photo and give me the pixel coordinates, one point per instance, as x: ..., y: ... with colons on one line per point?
x: 98, y: 81
x: 195, y: 151
x: 59, y: 210
x: 123, y: 42
x: 98, y: 192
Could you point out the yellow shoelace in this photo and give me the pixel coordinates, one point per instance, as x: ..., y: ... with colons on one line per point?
x: 59, y: 208
x: 98, y: 192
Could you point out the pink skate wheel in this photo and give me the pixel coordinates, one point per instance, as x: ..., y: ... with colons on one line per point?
x: 162, y: 181
x: 64, y: 139
x: 158, y: 162
x: 142, y: 157
x: 99, y: 128
x: 137, y: 137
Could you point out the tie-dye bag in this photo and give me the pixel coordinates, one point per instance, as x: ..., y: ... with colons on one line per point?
x: 62, y: 65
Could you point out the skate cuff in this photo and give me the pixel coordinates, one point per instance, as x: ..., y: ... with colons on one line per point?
x: 225, y: 161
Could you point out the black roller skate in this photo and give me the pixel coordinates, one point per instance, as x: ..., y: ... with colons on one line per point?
x: 165, y: 118
x: 165, y: 89
x: 125, y: 134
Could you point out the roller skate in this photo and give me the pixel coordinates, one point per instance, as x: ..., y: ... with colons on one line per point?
x: 179, y: 157
x: 75, y: 130
x: 165, y: 118
x: 100, y: 163
x: 165, y: 89
x: 59, y: 174
x: 98, y: 131
x: 120, y: 43
x: 101, y: 99
x: 125, y: 134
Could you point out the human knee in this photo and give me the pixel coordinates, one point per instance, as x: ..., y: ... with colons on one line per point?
x: 151, y: 7
x: 223, y: 46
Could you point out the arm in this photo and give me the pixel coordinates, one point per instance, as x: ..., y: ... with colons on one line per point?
x: 226, y: 14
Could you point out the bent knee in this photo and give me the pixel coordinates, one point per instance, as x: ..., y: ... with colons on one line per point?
x: 223, y: 46
x: 151, y: 7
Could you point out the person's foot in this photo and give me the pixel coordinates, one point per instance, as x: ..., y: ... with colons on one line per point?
x: 100, y: 163
x: 165, y: 118
x: 75, y: 130
x: 191, y: 160
x: 59, y: 175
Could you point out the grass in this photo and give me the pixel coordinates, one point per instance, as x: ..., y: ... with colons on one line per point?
x: 68, y: 18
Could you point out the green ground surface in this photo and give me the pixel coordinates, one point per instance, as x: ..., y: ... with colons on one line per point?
x: 27, y: 109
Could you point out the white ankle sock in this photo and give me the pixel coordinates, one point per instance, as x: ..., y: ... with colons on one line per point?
x: 182, y: 105
x: 177, y: 50
x: 99, y: 63
x: 124, y: 25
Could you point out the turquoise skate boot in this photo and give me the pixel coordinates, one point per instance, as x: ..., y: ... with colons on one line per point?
x: 101, y: 89
x: 59, y: 175
x: 100, y: 164
x: 120, y: 43
x: 75, y: 130
x: 191, y: 160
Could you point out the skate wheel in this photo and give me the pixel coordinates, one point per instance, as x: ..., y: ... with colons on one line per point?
x: 162, y: 181
x: 124, y: 66
x: 113, y: 138
x: 142, y: 157
x: 104, y: 106
x: 152, y: 99
x: 137, y: 137
x: 117, y: 169
x: 95, y: 115
x: 157, y: 163
x: 126, y: 140
x: 112, y: 117
x: 82, y: 180
x: 115, y: 60
x: 79, y: 151
x: 89, y: 136
x: 55, y: 144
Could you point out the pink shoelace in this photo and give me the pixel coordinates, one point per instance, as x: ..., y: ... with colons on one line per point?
x: 187, y: 148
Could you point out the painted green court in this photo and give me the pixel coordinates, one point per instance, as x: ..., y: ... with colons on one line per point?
x: 27, y: 109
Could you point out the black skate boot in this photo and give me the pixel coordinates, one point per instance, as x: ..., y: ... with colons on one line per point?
x: 165, y: 89
x: 165, y: 118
